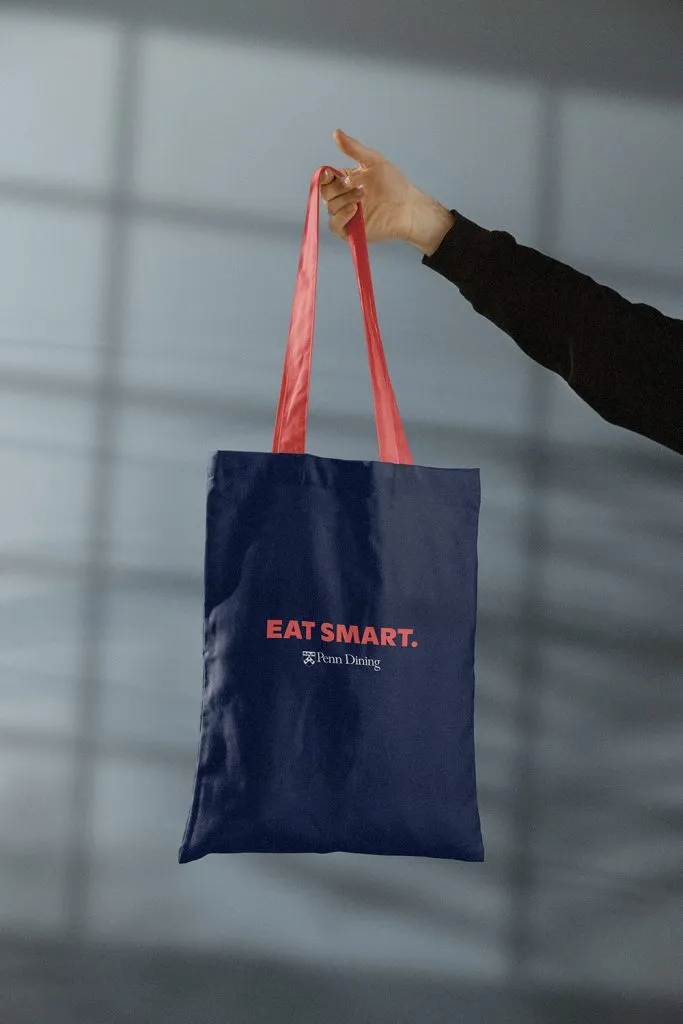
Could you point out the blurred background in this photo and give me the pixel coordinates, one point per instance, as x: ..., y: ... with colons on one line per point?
x: 154, y: 167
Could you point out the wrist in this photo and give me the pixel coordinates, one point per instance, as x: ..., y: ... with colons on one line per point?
x: 430, y: 223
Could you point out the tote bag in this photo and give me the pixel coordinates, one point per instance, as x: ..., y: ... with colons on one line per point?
x: 339, y: 631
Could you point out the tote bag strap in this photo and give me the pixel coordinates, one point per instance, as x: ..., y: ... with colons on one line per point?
x: 292, y: 411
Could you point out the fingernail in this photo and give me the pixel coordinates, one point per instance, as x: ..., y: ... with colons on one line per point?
x: 347, y: 181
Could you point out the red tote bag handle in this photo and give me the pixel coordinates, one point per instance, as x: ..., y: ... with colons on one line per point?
x: 292, y: 410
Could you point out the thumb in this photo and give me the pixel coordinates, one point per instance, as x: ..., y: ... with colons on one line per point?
x: 355, y: 149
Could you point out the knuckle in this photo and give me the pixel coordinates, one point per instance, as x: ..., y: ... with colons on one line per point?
x: 337, y: 204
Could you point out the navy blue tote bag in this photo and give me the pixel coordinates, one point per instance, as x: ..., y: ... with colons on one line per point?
x: 339, y: 630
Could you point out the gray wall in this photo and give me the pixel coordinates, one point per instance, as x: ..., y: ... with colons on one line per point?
x: 154, y: 160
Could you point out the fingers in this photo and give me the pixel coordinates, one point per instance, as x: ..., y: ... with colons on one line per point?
x: 339, y: 221
x: 343, y: 199
x: 332, y: 186
x: 342, y: 196
x: 342, y: 209
x: 355, y: 149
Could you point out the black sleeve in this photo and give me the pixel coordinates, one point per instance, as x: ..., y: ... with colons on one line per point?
x: 624, y: 359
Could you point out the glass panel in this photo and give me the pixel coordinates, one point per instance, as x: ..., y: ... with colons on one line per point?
x: 39, y: 653
x: 57, y: 80
x: 35, y: 811
x: 622, y: 166
x: 203, y: 98
x: 50, y: 290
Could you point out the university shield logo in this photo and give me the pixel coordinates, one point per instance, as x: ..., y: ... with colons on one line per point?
x: 309, y: 657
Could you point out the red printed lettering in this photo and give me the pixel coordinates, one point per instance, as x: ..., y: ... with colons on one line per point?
x: 370, y: 635
x: 293, y: 630
x: 404, y: 634
x: 348, y: 634
x: 385, y: 636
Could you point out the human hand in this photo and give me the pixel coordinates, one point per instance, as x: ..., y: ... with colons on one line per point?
x: 393, y: 208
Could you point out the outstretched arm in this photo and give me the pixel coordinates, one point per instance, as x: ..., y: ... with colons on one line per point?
x: 624, y: 359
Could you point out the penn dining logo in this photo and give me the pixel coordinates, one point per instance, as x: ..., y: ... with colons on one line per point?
x: 319, y: 658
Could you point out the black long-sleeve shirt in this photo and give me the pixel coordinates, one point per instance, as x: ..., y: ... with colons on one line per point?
x: 624, y: 359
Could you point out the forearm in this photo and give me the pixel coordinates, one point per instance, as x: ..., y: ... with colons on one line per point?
x: 625, y: 359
